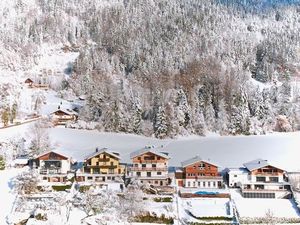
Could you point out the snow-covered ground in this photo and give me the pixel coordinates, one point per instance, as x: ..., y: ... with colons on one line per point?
x: 208, y: 207
x: 258, y: 208
x: 282, y: 149
x: 7, y: 196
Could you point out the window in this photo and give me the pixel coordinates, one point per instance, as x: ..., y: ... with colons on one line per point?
x: 204, y: 183
x: 156, y: 182
x: 108, y: 178
x: 214, y: 184
x: 153, y: 165
x: 111, y: 163
x: 139, y: 158
x: 260, y: 179
x: 208, y: 183
x: 148, y: 174
x: 144, y: 165
x: 188, y: 183
x: 235, y: 176
x: 136, y: 165
x: 113, y: 178
x: 201, y: 166
x: 158, y: 158
x: 138, y: 174
x: 274, y: 179
x: 158, y: 173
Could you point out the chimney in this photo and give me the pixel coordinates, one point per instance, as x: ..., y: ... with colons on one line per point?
x: 97, y: 149
x: 58, y: 107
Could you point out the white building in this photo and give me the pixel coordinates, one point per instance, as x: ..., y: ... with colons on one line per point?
x: 259, y: 179
x: 150, y: 167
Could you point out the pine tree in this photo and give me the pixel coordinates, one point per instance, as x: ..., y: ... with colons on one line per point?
x: 112, y: 118
x: 161, y: 127
x: 183, y: 110
x: 240, y: 116
x: 222, y: 120
x: 137, y: 117
x: 198, y: 123
x: 210, y: 118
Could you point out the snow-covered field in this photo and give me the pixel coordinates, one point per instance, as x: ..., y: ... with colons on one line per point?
x: 282, y: 149
x: 255, y: 208
x: 258, y: 208
x: 208, y: 207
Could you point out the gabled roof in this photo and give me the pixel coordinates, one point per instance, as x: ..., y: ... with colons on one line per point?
x: 257, y: 164
x: 28, y: 80
x: 103, y: 150
x: 66, y: 111
x: 45, y: 153
x: 147, y: 149
x: 195, y: 160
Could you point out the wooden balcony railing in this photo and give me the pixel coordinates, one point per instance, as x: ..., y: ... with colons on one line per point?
x: 148, y: 169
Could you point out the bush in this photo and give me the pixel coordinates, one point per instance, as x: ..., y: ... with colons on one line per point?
x: 163, y: 199
x: 84, y: 188
x: 2, y: 163
x: 61, y: 187
x: 153, y: 218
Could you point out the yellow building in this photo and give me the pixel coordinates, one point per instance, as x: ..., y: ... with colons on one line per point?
x: 102, y: 166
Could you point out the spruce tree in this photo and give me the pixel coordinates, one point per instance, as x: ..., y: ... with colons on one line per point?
x: 161, y: 127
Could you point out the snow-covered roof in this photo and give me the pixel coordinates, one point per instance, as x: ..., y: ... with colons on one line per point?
x: 197, y: 159
x: 103, y: 150
x: 256, y: 164
x: 240, y: 170
x: 21, y: 161
x: 150, y: 149
x: 66, y: 111
x: 55, y: 152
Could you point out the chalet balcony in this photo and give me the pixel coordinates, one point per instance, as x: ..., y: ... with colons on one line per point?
x: 147, y: 161
x: 268, y: 174
x: 148, y: 169
x: 103, y: 160
x: 49, y: 171
x: 102, y: 166
x: 206, y: 177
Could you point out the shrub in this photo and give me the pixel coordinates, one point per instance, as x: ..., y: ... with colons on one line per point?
x: 153, y: 218
x: 163, y: 199
x: 61, y: 187
x: 2, y: 163
x: 84, y: 188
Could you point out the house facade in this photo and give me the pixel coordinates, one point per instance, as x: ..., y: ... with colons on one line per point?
x: 102, y: 166
x: 150, y: 167
x: 62, y: 116
x: 199, y: 173
x: 259, y: 179
x: 52, y: 166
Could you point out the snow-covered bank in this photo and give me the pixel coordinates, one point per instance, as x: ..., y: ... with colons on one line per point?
x: 281, y: 149
x: 7, y: 197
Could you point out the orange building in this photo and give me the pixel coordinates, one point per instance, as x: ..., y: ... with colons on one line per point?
x: 197, y: 172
